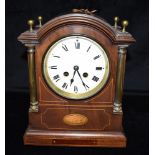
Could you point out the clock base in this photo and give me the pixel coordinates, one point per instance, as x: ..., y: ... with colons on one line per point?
x: 74, y: 138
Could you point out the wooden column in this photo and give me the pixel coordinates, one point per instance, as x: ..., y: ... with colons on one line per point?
x: 32, y: 79
x: 120, y: 79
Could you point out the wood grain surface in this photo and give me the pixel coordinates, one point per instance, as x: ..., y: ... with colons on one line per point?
x: 46, y: 127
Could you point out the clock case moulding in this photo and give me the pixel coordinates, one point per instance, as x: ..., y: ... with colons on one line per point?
x: 101, y: 114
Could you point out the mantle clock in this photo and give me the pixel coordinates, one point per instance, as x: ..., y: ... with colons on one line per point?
x: 76, y: 65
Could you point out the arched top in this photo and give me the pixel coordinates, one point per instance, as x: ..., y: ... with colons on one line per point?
x: 115, y: 35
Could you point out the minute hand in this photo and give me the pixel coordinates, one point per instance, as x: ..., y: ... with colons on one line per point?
x: 86, y: 87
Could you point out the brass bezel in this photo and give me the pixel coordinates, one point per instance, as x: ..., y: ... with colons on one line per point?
x: 73, y: 95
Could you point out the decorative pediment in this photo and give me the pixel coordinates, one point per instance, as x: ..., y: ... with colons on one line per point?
x: 115, y: 35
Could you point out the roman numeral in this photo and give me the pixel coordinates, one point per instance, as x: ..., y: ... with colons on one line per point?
x: 64, y: 47
x: 53, y: 67
x: 56, y: 56
x: 77, y: 44
x: 95, y: 78
x: 65, y: 85
x: 75, y: 89
x: 99, y: 68
x: 56, y: 77
x: 96, y: 57
x: 88, y: 48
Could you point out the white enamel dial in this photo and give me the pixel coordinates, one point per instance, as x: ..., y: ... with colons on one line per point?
x: 76, y: 67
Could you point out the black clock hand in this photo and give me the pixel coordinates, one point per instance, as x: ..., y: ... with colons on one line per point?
x: 72, y: 80
x: 75, y: 69
x: 86, y: 87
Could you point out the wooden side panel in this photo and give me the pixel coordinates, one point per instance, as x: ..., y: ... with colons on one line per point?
x: 99, y: 119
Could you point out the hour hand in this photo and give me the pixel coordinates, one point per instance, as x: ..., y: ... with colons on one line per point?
x: 72, y: 80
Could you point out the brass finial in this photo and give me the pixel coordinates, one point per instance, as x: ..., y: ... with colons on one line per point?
x: 40, y: 18
x: 31, y: 23
x: 125, y: 23
x: 116, y: 19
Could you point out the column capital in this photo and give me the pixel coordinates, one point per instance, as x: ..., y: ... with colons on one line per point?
x: 30, y: 48
x: 122, y: 49
x: 122, y: 46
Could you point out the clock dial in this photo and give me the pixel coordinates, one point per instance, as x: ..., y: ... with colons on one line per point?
x: 76, y: 67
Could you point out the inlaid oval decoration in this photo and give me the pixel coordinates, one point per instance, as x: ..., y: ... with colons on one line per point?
x: 75, y: 119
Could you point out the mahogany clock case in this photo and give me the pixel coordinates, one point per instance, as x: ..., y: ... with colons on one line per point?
x: 14, y: 82
x: 103, y: 127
